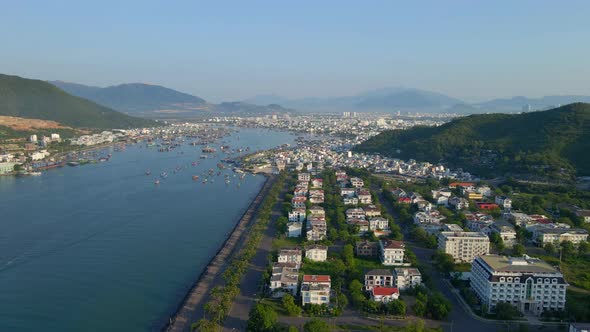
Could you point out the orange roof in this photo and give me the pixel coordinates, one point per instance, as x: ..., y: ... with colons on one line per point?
x: 385, y: 291
x: 390, y: 244
x: 316, y: 278
x: 461, y: 184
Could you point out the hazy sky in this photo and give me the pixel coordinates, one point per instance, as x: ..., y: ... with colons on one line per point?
x: 222, y: 50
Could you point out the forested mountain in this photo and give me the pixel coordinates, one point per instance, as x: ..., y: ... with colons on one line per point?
x: 35, y: 99
x: 549, y: 143
x: 134, y: 98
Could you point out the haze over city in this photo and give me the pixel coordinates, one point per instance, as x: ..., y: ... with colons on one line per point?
x: 233, y: 50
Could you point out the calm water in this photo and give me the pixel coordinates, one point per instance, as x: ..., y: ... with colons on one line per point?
x: 101, y: 248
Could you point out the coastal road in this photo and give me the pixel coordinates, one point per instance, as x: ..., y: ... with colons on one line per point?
x: 250, y: 286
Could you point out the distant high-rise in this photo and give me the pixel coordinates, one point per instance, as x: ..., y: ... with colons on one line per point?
x: 527, y: 108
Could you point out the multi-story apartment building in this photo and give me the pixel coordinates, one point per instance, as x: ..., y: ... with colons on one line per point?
x: 315, y: 289
x: 406, y: 277
x: 464, y: 246
x: 529, y: 284
x: 558, y: 235
x: 392, y: 252
x: 284, y: 279
x: 378, y: 277
x: 317, y: 253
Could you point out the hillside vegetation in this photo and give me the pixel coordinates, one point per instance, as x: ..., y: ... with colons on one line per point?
x: 37, y: 99
x: 552, y: 143
x: 136, y: 98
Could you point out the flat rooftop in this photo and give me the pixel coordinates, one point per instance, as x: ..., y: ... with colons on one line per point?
x: 517, y: 264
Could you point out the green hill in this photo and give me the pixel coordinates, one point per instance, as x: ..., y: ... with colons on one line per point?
x: 548, y: 143
x: 37, y: 99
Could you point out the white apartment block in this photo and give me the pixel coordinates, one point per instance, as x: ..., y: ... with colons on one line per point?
x: 530, y: 284
x: 464, y: 246
x: 392, y: 252
x: 315, y: 289
x: 558, y: 235
x: 317, y: 253
x: 407, y: 277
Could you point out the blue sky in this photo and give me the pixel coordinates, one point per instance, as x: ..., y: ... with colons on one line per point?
x: 226, y: 50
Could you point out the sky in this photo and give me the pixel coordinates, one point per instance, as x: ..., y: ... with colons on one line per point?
x: 232, y: 50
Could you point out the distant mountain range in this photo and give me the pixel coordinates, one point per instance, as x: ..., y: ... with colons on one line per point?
x: 136, y: 98
x: 157, y: 101
x: 551, y: 143
x: 416, y: 100
x: 35, y: 99
x: 386, y: 99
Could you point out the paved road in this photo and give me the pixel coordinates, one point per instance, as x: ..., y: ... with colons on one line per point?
x: 460, y: 318
x: 250, y: 285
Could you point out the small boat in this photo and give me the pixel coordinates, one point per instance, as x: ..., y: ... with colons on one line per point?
x: 195, y: 177
x: 157, y: 181
x: 163, y: 175
x: 148, y: 172
x: 73, y: 163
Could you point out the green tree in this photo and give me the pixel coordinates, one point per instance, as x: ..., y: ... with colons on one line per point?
x: 506, y: 311
x: 568, y: 250
x: 293, y: 329
x: 518, y: 250
x: 348, y: 255
x: 263, y: 318
x: 397, y: 307
x: 316, y: 325
x: 290, y: 306
x: 438, y: 306
x: 443, y: 261
x: 583, y: 248
x: 549, y: 248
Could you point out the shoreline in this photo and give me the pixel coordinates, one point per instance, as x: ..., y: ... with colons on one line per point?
x: 192, y: 303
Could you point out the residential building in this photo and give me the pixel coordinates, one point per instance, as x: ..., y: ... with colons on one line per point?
x: 378, y: 223
x: 350, y: 201
x: 384, y: 294
x: 317, y: 183
x: 317, y: 211
x: 504, y: 202
x: 464, y: 246
x: 298, y: 202
x: 558, y: 235
x: 459, y: 203
x: 348, y: 192
x: 316, y: 253
x: 427, y: 218
x: 355, y: 213
x: 316, y: 230
x: 364, y: 196
x: 451, y: 228
x: 407, y: 277
x: 6, y: 168
x: 297, y: 215
x: 366, y: 248
x: 505, y: 230
x: 579, y: 327
x: 583, y: 214
x: 529, y: 284
x: 315, y: 289
x: 357, y: 182
x: 391, y: 252
x: 306, y: 177
x: 294, y: 229
x: 284, y: 279
x: 290, y: 256
x: 378, y: 277
x: 487, y: 205
x: 372, y: 211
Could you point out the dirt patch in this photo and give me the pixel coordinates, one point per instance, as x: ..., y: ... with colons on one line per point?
x: 23, y: 124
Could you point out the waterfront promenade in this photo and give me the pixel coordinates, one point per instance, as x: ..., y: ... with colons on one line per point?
x: 191, y: 309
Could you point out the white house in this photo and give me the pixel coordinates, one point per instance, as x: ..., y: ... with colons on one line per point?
x: 392, y: 252
x: 357, y: 182
x: 406, y: 277
x: 290, y: 256
x: 378, y: 223
x: 284, y: 279
x: 315, y: 289
x: 294, y: 229
x: 384, y: 294
x: 297, y: 215
x: 504, y: 202
x: 317, y: 253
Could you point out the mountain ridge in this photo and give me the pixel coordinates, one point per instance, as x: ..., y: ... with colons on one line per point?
x: 544, y: 143
x: 37, y: 99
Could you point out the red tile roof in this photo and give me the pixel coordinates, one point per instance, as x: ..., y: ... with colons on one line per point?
x: 385, y: 291
x: 316, y: 278
x: 390, y: 244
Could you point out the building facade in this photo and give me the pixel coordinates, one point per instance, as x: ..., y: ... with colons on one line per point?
x: 464, y: 246
x: 529, y: 284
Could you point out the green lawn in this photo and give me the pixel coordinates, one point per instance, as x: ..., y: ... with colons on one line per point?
x: 287, y: 242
